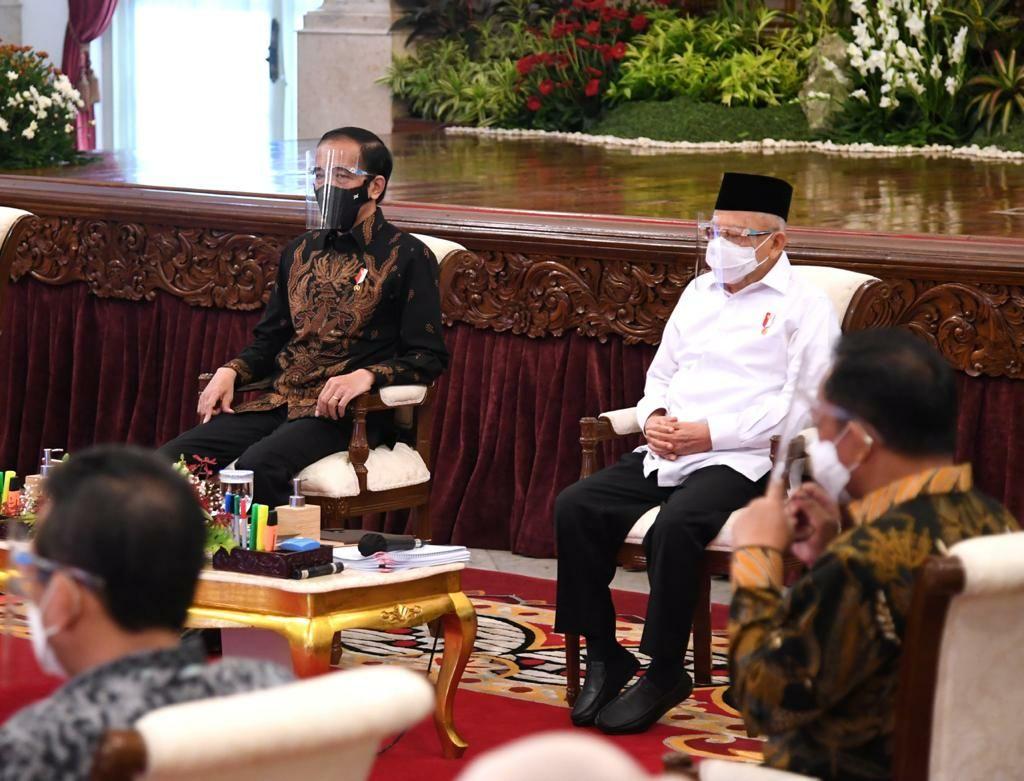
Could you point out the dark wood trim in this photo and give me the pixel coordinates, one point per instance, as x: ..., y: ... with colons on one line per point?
x: 121, y: 756
x: 524, y: 273
x: 940, y: 580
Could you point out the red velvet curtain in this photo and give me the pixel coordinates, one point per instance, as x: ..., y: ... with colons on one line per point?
x: 79, y: 370
x: 87, y: 21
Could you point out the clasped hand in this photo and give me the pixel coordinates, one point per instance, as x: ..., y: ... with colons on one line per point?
x: 339, y: 391
x: 670, y: 438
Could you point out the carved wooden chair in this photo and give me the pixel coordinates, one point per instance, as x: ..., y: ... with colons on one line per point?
x: 845, y: 289
x: 328, y: 727
x: 961, y: 671
x: 360, y: 481
x: 13, y: 225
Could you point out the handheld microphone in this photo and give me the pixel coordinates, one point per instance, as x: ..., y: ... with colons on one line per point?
x: 376, y: 543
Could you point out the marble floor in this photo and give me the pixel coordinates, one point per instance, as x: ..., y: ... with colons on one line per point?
x: 503, y: 561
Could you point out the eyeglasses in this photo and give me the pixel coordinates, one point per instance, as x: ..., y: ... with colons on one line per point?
x: 30, y: 566
x: 821, y: 408
x: 712, y: 230
x: 341, y: 175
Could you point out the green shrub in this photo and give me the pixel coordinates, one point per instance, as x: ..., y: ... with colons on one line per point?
x: 734, y: 60
x: 441, y: 82
x: 684, y: 119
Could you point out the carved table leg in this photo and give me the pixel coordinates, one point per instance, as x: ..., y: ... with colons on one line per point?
x: 459, y: 636
x: 310, y: 643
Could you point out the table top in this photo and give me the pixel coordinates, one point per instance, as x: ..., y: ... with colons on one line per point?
x: 349, y: 579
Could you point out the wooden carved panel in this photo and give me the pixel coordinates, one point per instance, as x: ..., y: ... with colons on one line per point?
x: 203, y: 266
x: 546, y: 295
x: 978, y: 328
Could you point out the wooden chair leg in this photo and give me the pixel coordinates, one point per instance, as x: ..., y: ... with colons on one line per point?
x: 702, y: 630
x: 572, y: 668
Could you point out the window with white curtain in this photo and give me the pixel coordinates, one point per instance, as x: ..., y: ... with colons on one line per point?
x: 193, y: 74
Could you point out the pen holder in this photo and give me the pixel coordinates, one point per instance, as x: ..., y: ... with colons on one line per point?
x: 274, y: 564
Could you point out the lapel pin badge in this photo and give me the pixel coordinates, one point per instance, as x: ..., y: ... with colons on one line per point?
x: 769, y: 318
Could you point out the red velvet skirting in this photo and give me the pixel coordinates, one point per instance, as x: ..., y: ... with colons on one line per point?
x: 78, y: 370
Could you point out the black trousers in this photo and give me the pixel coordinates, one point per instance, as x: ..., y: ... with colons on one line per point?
x: 273, y: 447
x: 592, y: 519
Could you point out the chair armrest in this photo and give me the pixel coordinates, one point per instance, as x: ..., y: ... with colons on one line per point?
x: 623, y: 421
x: 120, y: 756
x: 391, y: 397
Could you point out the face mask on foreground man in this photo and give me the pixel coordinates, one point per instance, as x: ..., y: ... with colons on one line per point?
x: 815, y: 670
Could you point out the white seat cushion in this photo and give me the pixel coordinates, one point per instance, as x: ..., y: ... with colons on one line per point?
x: 838, y: 284
x: 386, y: 469
x: 639, y: 531
x: 441, y: 248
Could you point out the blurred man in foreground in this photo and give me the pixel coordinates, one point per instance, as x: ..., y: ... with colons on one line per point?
x: 815, y: 670
x: 108, y: 580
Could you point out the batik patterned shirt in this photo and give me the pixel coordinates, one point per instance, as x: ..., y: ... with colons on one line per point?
x: 367, y: 299
x: 56, y: 739
x: 815, y: 671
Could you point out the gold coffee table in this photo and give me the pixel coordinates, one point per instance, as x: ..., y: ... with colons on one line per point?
x: 308, y: 613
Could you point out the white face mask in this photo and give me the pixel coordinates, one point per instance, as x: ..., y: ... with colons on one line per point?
x: 730, y: 262
x: 40, y: 637
x: 829, y: 472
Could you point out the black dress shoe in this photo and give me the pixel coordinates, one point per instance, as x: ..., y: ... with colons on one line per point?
x: 640, y: 706
x: 604, y: 681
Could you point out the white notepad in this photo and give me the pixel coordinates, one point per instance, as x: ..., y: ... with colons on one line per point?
x: 425, y: 556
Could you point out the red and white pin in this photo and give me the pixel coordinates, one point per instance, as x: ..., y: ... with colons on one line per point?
x: 769, y: 318
x: 360, y: 277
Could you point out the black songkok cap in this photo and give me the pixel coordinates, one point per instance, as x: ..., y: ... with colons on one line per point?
x: 754, y: 193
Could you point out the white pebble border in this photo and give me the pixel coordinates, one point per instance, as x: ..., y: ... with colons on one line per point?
x: 767, y: 146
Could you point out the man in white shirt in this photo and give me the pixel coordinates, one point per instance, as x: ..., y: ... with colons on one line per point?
x: 746, y: 341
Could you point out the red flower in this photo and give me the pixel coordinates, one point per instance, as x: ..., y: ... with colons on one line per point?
x: 546, y: 86
x: 583, y: 43
x: 525, y: 64
x: 593, y: 28
x: 639, y: 23
x: 594, y: 71
x: 592, y: 88
x: 533, y: 104
x: 618, y: 51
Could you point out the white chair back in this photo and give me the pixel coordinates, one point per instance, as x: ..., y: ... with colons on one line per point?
x: 979, y: 690
x: 441, y: 248
x: 555, y: 756
x: 328, y: 727
x: 9, y: 217
x: 838, y: 284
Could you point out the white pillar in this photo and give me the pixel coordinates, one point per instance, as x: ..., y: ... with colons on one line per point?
x: 344, y: 47
x: 10, y: 21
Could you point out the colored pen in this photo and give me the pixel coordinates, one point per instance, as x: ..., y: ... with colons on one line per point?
x: 229, y: 502
x: 261, y: 525
x: 253, y: 526
x: 6, y: 487
x: 315, y: 572
x: 271, y: 539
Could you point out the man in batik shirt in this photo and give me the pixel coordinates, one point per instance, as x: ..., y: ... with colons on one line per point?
x: 356, y: 306
x: 815, y: 671
x: 108, y: 581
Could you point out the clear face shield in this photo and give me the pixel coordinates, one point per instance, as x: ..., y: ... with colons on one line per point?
x: 337, y: 187
x: 730, y: 252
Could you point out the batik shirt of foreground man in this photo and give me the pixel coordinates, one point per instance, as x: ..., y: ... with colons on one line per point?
x: 816, y: 671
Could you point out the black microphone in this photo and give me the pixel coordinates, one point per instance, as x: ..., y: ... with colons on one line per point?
x: 376, y: 543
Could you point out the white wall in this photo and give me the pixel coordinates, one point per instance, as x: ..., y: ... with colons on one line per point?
x: 42, y: 26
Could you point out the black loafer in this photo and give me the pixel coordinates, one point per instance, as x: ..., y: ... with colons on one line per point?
x: 640, y: 706
x: 604, y: 681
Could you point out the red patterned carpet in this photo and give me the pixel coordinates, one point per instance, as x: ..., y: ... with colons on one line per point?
x: 514, y: 685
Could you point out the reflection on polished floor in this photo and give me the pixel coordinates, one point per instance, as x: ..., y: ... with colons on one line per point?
x: 902, y: 195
